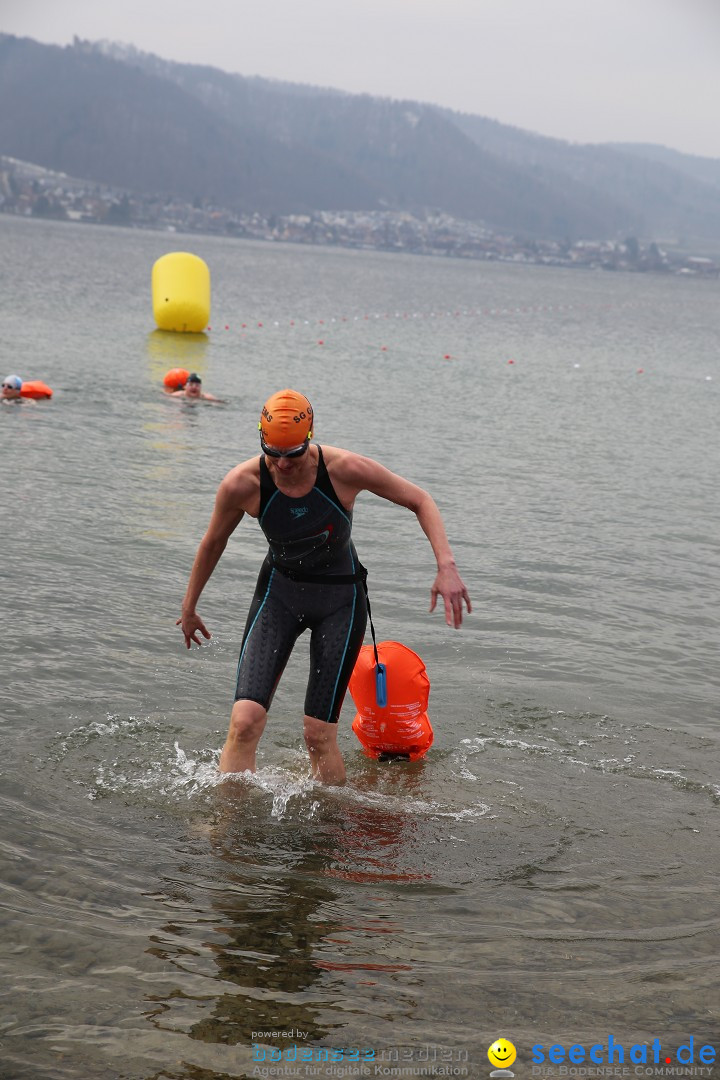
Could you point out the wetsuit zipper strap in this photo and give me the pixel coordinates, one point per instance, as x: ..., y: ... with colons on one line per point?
x: 322, y: 579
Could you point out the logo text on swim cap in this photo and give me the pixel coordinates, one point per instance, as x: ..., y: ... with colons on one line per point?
x: 302, y: 415
x: 267, y: 415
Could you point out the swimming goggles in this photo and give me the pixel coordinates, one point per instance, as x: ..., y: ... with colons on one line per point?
x: 295, y: 451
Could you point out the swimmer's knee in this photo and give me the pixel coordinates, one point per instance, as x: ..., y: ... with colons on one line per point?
x: 318, y: 734
x: 247, y: 720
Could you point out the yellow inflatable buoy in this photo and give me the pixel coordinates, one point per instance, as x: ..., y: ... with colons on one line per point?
x: 181, y: 292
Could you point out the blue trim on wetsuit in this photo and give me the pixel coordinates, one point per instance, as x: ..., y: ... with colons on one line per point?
x: 266, y: 508
x: 332, y: 502
x: 250, y: 630
x: 342, y: 662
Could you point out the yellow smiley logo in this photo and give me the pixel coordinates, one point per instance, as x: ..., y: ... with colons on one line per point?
x: 502, y: 1053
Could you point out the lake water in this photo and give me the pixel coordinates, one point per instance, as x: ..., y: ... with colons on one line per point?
x: 548, y: 873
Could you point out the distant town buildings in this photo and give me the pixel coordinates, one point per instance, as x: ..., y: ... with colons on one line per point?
x: 29, y: 190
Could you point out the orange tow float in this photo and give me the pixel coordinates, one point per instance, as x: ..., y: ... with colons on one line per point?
x: 35, y: 388
x: 175, y: 379
x: 397, y: 727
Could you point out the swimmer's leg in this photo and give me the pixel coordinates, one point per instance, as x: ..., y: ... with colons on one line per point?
x: 334, y: 646
x: 325, y: 757
x: 247, y: 723
x: 270, y: 633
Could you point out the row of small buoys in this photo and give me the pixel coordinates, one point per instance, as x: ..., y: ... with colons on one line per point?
x: 397, y: 726
x: 500, y: 310
x: 181, y: 292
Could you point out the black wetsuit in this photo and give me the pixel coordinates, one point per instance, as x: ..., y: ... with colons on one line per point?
x: 308, y: 537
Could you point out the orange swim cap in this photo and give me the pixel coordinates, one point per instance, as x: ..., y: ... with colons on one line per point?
x: 286, y: 420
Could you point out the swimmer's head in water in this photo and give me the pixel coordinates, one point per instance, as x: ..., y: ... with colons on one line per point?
x: 12, y: 382
x: 193, y: 387
x: 286, y: 420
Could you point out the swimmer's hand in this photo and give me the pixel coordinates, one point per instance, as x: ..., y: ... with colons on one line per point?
x: 451, y: 587
x: 190, y: 624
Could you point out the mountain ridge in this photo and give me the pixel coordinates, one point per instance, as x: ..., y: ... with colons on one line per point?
x: 120, y: 116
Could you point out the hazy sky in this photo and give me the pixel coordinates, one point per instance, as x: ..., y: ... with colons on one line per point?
x: 583, y: 70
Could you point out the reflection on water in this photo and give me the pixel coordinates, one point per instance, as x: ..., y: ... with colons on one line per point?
x: 166, y: 350
x: 552, y: 864
x: 276, y: 926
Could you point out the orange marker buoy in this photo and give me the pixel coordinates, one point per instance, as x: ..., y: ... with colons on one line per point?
x: 35, y: 388
x: 175, y: 379
x: 400, y: 728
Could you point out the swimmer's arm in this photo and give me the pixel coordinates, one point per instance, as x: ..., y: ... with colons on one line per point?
x: 226, y: 516
x: 364, y: 474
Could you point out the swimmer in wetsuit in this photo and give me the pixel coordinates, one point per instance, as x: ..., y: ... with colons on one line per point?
x: 303, y: 497
x: 193, y: 391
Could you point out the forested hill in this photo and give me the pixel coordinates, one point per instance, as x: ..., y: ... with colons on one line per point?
x: 114, y: 115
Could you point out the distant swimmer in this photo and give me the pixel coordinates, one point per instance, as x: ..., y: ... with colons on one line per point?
x: 194, y: 391
x: 12, y: 392
x: 302, y: 496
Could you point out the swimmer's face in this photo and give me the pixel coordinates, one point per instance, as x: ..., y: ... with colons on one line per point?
x: 193, y: 389
x: 286, y: 461
x: 10, y: 391
x: 287, y: 466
